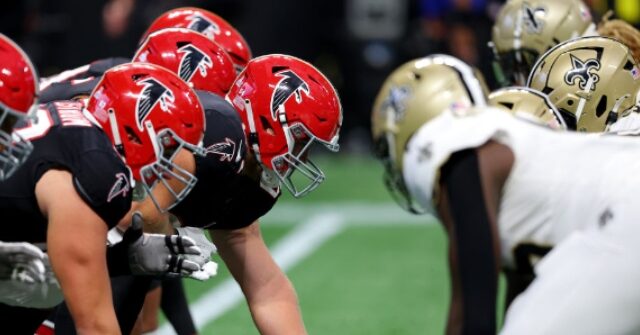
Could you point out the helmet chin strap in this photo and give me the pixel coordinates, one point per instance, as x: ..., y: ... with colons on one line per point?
x: 117, y: 140
x: 253, y: 134
x: 583, y: 97
x: 267, y: 177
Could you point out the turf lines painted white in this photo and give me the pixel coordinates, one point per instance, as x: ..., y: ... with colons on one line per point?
x: 314, y: 225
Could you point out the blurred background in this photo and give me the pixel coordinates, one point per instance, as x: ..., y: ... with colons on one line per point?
x: 355, y: 42
x: 360, y: 265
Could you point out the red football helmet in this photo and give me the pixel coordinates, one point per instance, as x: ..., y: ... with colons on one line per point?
x: 191, y: 55
x: 209, y: 24
x: 287, y: 105
x: 18, y: 100
x: 149, y: 114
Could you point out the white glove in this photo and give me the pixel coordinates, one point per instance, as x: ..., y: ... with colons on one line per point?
x: 208, y: 268
x: 151, y: 254
x: 45, y: 293
x: 22, y: 262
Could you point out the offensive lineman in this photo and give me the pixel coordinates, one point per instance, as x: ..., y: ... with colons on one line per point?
x: 74, y: 169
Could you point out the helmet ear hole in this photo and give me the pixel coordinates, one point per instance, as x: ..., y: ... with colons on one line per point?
x: 602, y: 106
x: 508, y: 105
x: 131, y: 135
x: 266, y: 125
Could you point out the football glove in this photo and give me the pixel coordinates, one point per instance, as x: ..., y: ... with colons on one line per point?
x: 154, y: 254
x: 22, y: 262
x: 32, y: 284
x: 208, y: 268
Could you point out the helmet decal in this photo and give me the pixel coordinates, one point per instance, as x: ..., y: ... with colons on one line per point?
x: 226, y: 149
x: 290, y: 84
x: 532, y: 18
x: 203, y: 25
x: 581, y: 72
x: 397, y: 101
x: 153, y: 93
x: 193, y: 60
x: 120, y: 187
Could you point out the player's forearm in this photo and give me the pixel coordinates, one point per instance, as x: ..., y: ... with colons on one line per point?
x: 278, y: 313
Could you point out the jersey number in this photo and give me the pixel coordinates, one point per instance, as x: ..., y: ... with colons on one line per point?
x: 70, y: 114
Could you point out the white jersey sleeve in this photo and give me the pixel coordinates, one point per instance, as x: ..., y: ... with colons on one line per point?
x: 560, y: 181
x: 437, y: 140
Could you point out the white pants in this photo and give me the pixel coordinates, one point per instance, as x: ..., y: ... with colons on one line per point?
x: 588, y: 284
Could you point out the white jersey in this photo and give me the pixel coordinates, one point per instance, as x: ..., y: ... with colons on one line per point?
x: 560, y: 181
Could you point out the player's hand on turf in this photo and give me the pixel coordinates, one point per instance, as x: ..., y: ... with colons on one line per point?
x: 208, y: 268
x: 151, y: 254
x: 22, y: 262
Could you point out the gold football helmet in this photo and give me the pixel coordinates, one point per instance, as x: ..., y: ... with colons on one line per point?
x: 525, y: 29
x: 591, y: 80
x: 413, y: 94
x: 528, y: 104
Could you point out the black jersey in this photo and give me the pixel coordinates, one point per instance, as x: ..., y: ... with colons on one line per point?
x: 223, y: 198
x: 77, y: 82
x: 63, y: 139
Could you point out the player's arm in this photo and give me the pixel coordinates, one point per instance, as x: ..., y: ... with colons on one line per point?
x: 76, y: 242
x: 271, y: 297
x: 156, y: 221
x: 470, y: 184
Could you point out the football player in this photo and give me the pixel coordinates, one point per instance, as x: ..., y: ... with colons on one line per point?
x: 506, y: 191
x: 593, y: 81
x: 285, y: 106
x: 75, y: 169
x: 528, y: 104
x: 524, y: 30
x: 205, y: 66
x: 209, y: 24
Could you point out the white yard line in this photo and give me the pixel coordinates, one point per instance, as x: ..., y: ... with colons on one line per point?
x: 314, y: 225
x: 301, y: 242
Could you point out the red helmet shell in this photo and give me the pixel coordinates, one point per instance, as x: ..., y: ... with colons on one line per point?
x: 136, y: 94
x: 305, y: 93
x: 211, y: 25
x: 18, y: 78
x: 191, y: 55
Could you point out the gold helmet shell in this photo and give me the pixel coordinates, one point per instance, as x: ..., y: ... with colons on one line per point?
x: 413, y: 94
x: 525, y: 29
x: 529, y: 104
x: 591, y: 80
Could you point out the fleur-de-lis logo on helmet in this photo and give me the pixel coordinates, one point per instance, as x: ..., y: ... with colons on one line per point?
x: 581, y: 71
x: 531, y: 18
x: 396, y: 101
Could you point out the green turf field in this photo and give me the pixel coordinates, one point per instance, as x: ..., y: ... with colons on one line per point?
x: 376, y: 270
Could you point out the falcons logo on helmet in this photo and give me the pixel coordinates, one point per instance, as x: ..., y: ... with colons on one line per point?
x: 226, y: 150
x: 290, y: 84
x: 204, y: 26
x: 152, y: 93
x: 581, y: 71
x: 193, y: 60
